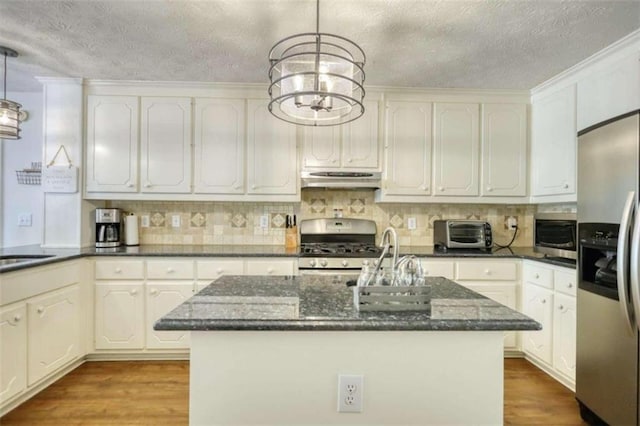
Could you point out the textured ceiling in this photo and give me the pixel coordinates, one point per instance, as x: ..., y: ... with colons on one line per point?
x: 412, y: 43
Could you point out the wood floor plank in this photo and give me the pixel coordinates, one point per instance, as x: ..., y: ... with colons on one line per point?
x: 157, y: 393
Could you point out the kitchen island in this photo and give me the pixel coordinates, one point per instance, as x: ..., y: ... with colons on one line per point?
x: 269, y: 350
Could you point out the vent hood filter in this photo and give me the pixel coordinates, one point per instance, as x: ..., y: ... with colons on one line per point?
x: 341, y: 180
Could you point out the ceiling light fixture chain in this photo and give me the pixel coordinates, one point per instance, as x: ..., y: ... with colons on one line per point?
x: 316, y: 79
x: 9, y: 110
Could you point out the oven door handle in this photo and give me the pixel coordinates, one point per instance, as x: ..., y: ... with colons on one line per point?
x: 627, y: 263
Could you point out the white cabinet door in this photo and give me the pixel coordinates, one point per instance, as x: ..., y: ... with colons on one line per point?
x: 407, y: 148
x: 13, y: 351
x: 165, y: 147
x: 360, y: 140
x: 119, y: 315
x: 112, y: 144
x: 272, y: 161
x: 538, y: 304
x: 553, y: 143
x: 504, y: 150
x: 456, y: 149
x: 564, y: 335
x: 161, y: 298
x: 270, y: 267
x: 321, y: 147
x: 612, y: 90
x: 214, y: 269
x: 53, y: 331
x: 219, y: 146
x: 505, y: 295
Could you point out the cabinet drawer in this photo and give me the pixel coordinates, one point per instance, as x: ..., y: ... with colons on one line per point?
x: 213, y: 269
x: 565, y: 282
x: 170, y: 269
x: 438, y: 268
x: 270, y: 267
x: 119, y: 269
x: 487, y: 271
x: 538, y: 275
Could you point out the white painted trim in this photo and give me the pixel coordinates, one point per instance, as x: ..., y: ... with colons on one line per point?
x: 59, y: 80
x: 551, y: 372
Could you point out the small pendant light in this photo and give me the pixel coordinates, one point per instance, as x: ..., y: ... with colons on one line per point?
x: 9, y: 111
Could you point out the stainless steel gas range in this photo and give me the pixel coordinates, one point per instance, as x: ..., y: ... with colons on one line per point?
x: 337, y: 246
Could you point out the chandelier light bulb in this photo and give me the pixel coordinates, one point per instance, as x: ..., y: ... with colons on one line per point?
x: 5, y: 118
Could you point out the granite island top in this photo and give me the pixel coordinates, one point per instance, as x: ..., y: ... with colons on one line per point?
x: 320, y: 303
x: 63, y: 254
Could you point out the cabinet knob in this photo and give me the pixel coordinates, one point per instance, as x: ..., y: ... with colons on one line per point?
x: 426, y: 273
x: 441, y: 188
x: 365, y: 263
x: 489, y: 189
x: 543, y: 301
x: 269, y: 270
x: 170, y: 270
x: 487, y: 271
x: 133, y: 292
x: 313, y: 263
x: 565, y: 186
x: 147, y: 185
x: 537, y: 276
x: 349, y: 160
x: 118, y: 270
x: 345, y: 263
x: 17, y: 317
x: 334, y: 160
x: 219, y: 270
x: 424, y: 187
x: 153, y: 291
x: 570, y: 285
x: 253, y: 187
x: 40, y: 309
x: 560, y: 307
x: 238, y: 187
x: 130, y: 185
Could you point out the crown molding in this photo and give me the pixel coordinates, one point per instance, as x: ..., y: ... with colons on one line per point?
x: 59, y: 80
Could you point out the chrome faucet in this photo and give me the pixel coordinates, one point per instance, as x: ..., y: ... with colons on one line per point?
x: 385, y: 242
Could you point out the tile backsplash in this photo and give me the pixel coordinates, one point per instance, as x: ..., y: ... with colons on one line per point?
x: 239, y: 223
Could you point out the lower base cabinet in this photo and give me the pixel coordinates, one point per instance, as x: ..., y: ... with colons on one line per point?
x: 538, y: 304
x: 161, y: 298
x: 13, y: 351
x: 119, y: 316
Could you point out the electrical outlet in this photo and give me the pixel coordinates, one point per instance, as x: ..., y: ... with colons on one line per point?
x: 144, y: 221
x: 512, y: 222
x: 264, y: 221
x: 411, y: 223
x: 350, y: 392
x: 24, y: 219
x: 175, y: 221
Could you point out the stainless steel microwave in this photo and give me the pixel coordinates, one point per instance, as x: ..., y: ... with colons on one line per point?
x: 462, y: 234
x: 555, y: 234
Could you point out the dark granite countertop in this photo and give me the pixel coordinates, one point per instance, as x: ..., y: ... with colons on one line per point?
x: 316, y: 303
x: 59, y: 255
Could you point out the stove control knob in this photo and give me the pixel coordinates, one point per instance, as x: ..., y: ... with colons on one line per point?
x: 345, y: 263
x: 365, y: 263
x: 312, y: 262
x: 323, y: 262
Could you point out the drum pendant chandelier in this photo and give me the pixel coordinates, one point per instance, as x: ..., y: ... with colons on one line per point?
x: 316, y: 78
x: 9, y: 110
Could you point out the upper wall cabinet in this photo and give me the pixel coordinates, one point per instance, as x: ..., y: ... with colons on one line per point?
x: 553, y: 146
x: 112, y: 144
x: 407, y: 149
x: 610, y: 90
x: 504, y: 150
x: 165, y: 152
x: 272, y: 160
x: 352, y: 146
x: 219, y: 146
x: 456, y: 149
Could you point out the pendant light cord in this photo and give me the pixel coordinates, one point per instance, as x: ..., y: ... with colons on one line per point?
x: 4, y: 90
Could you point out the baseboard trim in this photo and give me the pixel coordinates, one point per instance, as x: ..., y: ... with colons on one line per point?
x: 145, y: 356
x: 571, y: 385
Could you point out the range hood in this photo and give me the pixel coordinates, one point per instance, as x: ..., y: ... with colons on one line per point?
x: 341, y: 179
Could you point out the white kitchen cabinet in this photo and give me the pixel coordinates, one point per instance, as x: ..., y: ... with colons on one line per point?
x: 506, y: 295
x: 161, y: 298
x: 165, y: 145
x: 352, y: 146
x: 538, y: 304
x: 610, y: 90
x: 219, y: 139
x: 438, y: 268
x: 272, y: 159
x: 408, y: 144
x: 270, y: 267
x: 456, y: 149
x: 564, y: 335
x: 119, y: 315
x: 13, y: 351
x: 112, y: 144
x: 210, y: 270
x: 554, y: 144
x: 504, y: 150
x: 53, y: 331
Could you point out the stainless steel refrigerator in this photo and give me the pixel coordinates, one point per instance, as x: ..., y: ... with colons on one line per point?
x: 608, y: 299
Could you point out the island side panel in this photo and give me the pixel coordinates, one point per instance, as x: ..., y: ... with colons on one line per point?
x: 291, y: 377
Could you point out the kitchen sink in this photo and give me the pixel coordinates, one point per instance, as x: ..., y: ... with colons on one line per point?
x: 12, y: 259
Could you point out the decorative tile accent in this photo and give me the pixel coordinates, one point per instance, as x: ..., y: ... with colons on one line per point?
x: 356, y: 205
x: 396, y: 220
x: 157, y: 219
x: 198, y: 220
x: 431, y: 218
x: 277, y: 220
x: 318, y: 205
x: 472, y: 217
x: 239, y: 220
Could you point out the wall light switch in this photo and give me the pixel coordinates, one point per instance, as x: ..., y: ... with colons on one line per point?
x: 264, y: 221
x: 412, y: 223
x: 175, y: 221
x: 24, y: 219
x: 144, y: 221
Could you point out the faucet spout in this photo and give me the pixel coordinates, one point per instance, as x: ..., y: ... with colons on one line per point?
x: 390, y: 239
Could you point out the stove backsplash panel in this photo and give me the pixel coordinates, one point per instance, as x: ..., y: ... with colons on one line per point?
x: 239, y: 223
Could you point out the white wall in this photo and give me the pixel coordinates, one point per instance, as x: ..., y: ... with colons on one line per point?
x: 16, y: 155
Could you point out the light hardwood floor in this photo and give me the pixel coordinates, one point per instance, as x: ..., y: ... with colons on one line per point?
x: 157, y: 393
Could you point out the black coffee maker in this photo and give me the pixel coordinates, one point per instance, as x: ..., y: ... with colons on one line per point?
x: 108, y: 227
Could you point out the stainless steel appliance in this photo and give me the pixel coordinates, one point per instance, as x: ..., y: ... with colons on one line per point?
x: 608, y: 298
x: 462, y: 234
x: 108, y: 227
x: 337, y: 246
x: 555, y: 234
x: 340, y: 179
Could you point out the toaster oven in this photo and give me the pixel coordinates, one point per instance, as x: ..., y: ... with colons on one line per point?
x: 462, y: 234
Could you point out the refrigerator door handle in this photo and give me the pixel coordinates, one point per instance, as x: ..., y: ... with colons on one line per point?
x: 628, y: 263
